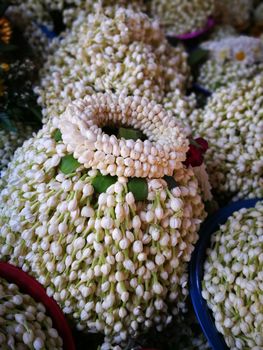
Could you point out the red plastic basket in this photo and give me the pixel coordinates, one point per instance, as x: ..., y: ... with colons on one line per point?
x: 30, y: 286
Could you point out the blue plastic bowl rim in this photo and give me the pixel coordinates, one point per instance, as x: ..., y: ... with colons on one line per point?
x: 203, y: 313
x: 46, y: 31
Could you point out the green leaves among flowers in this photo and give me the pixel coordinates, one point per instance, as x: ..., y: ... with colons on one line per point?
x: 68, y: 164
x: 35, y: 111
x: 18, y: 112
x: 123, y: 132
x: 197, y: 56
x: 170, y: 182
x: 6, y: 123
x: 139, y: 188
x: 57, y: 136
x: 130, y: 134
x: 102, y: 182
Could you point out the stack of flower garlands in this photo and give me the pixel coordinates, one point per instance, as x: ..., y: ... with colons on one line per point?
x: 24, y: 323
x: 236, y: 258
x: 232, y: 120
x: 182, y: 16
x: 103, y: 205
x: 51, y: 12
x: 115, y: 50
x: 106, y: 224
x: 230, y: 59
x: 17, y: 101
x: 123, y: 51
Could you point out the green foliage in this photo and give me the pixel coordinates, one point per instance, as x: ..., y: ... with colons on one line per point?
x: 197, y: 56
x: 130, y: 134
x: 57, y: 135
x: 102, y: 182
x: 6, y: 123
x: 68, y: 164
x: 139, y: 188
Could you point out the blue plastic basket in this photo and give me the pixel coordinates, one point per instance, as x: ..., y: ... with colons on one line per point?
x: 201, y: 309
x: 48, y: 33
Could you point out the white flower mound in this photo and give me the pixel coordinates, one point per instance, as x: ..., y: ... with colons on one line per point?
x: 114, y: 265
x: 182, y: 16
x: 213, y: 74
x: 77, y: 10
x: 24, y: 323
x: 40, y: 10
x: 232, y: 282
x: 231, y: 59
x: 121, y: 51
x: 10, y: 141
x: 222, y: 31
x: 232, y: 123
x: 246, y: 49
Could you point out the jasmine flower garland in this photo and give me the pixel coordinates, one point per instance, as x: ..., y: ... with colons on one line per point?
x: 181, y: 105
x: 241, y: 48
x: 112, y: 250
x: 213, y: 75
x: 23, y: 322
x: 41, y: 10
x: 160, y: 155
x: 222, y: 31
x: 10, y: 140
x: 181, y: 16
x: 232, y: 122
x: 119, y: 50
x: 232, y: 283
x: 231, y: 59
x: 76, y: 10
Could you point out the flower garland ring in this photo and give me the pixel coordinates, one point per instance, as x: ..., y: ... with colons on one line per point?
x: 81, y: 127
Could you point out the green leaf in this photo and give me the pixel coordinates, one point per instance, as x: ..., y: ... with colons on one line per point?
x: 36, y: 111
x: 6, y: 122
x: 170, y: 182
x: 15, y: 112
x: 102, y: 182
x: 130, y: 134
x: 197, y: 56
x: 139, y: 188
x: 57, y: 136
x: 217, y: 85
x: 194, y: 143
x: 68, y: 164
